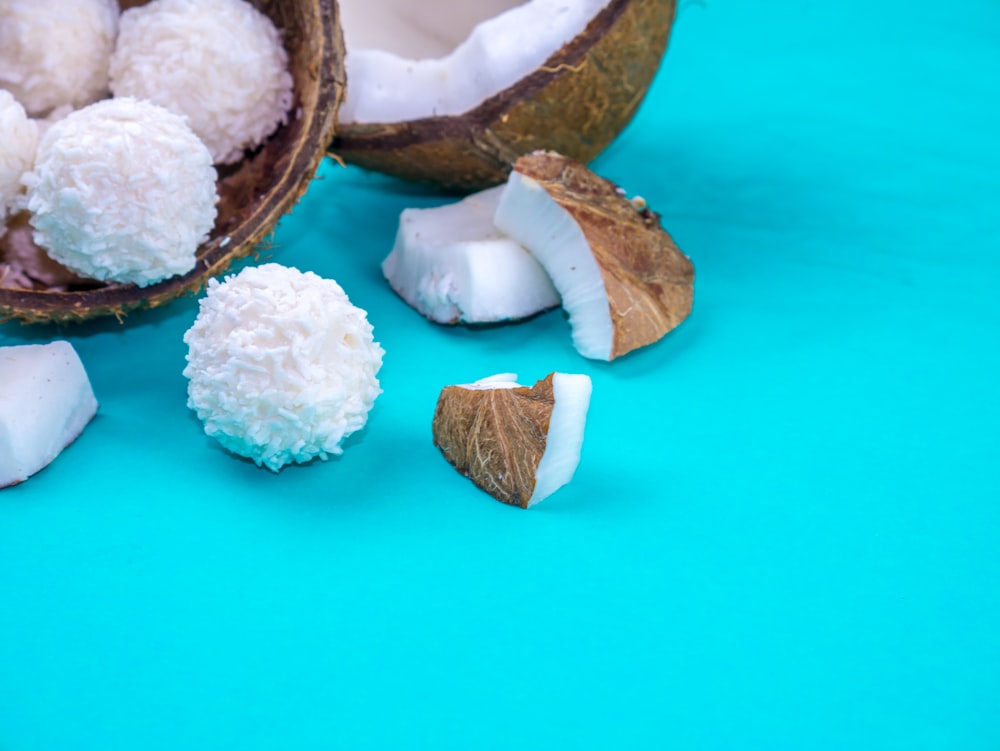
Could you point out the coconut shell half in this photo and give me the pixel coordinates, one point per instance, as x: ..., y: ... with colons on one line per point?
x: 576, y: 103
x: 253, y: 194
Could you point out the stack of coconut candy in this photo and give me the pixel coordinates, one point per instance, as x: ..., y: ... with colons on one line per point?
x: 113, y: 142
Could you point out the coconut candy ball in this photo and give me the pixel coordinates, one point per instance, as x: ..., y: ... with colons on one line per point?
x: 122, y: 191
x: 220, y: 62
x: 281, y: 366
x: 18, y: 142
x: 56, y: 52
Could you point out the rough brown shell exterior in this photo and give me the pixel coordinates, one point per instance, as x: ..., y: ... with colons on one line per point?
x: 254, y: 194
x: 583, y: 96
x: 649, y: 281
x: 496, y: 437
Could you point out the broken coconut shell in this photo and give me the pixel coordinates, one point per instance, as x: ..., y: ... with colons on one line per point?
x: 518, y: 444
x: 254, y: 193
x: 622, y: 279
x: 576, y: 103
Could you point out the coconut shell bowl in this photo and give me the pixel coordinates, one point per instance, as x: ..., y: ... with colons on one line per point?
x: 253, y: 193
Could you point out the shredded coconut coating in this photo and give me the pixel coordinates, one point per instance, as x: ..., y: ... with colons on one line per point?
x: 56, y: 52
x: 220, y: 62
x: 281, y: 366
x: 18, y: 142
x: 122, y: 191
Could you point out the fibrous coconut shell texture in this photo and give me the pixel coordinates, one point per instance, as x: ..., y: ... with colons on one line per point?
x: 254, y: 193
x: 648, y: 282
x: 576, y: 104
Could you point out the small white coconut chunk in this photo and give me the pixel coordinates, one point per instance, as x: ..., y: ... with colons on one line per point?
x: 281, y: 366
x: 18, y: 143
x: 45, y: 402
x: 56, y: 52
x: 219, y: 62
x: 401, y: 66
x: 452, y: 264
x: 519, y: 447
x: 530, y: 215
x: 122, y: 191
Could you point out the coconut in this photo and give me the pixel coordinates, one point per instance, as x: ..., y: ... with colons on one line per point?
x: 254, y: 193
x: 454, y: 94
x: 518, y: 444
x: 45, y: 404
x: 622, y: 280
x: 452, y: 264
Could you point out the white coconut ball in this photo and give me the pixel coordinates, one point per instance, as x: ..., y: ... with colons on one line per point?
x: 281, y: 366
x: 56, y: 52
x: 122, y: 191
x: 18, y: 142
x: 220, y: 62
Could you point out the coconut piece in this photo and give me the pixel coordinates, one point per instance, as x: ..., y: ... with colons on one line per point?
x: 55, y: 52
x: 17, y: 153
x: 623, y: 281
x: 122, y: 190
x: 219, y: 62
x: 435, y: 97
x: 254, y: 193
x: 452, y: 264
x: 518, y: 444
x: 45, y: 403
x: 281, y: 366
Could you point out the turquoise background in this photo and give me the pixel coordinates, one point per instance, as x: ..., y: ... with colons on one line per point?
x: 784, y: 530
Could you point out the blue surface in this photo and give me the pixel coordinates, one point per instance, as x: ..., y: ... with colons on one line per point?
x: 785, y: 529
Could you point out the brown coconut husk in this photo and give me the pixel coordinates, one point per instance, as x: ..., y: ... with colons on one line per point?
x: 648, y: 280
x: 576, y: 103
x: 496, y: 437
x: 254, y: 194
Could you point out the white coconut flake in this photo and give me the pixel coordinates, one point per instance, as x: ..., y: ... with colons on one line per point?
x: 452, y: 264
x: 56, y: 52
x: 281, y: 366
x: 219, y: 62
x: 45, y: 403
x: 122, y: 191
x: 531, y: 216
x: 404, y: 66
x: 18, y: 143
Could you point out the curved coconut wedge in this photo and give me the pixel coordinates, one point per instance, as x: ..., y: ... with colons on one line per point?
x: 45, y: 404
x: 254, y: 193
x: 423, y: 104
x: 518, y: 444
x: 452, y: 264
x: 623, y: 281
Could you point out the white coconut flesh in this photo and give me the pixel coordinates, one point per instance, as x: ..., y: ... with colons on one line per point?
x: 408, y: 61
x: 45, y: 403
x: 452, y: 264
x: 564, y: 439
x: 527, y: 213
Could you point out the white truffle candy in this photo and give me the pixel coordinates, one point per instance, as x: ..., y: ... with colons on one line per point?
x: 45, y: 403
x: 122, y: 191
x: 56, y: 52
x: 18, y: 143
x: 281, y: 366
x: 219, y: 62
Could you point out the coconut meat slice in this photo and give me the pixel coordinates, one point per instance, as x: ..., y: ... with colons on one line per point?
x: 518, y: 444
x: 528, y: 212
x: 452, y: 264
x: 45, y: 403
x: 623, y: 281
x: 408, y: 61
